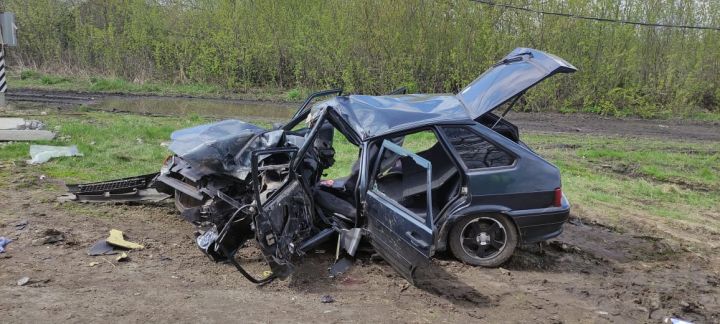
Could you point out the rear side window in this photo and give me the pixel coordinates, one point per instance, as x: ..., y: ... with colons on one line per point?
x: 475, y: 151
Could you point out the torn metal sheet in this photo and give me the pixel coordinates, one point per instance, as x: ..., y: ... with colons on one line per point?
x: 101, y: 247
x: 340, y: 266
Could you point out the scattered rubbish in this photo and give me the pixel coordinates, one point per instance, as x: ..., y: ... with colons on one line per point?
x: 23, y: 281
x: 43, y: 153
x: 25, y: 135
x: 122, y: 257
x: 340, y: 267
x: 20, y: 124
x: 92, y: 264
x: 673, y: 320
x: 116, y: 238
x: 21, y: 225
x: 3, y: 242
x: 326, y: 299
x: 52, y: 236
x: 267, y: 274
x: 101, y: 247
x: 505, y: 272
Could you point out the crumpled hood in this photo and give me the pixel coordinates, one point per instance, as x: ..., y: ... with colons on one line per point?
x: 518, y: 71
x: 226, y: 146
x: 213, y: 147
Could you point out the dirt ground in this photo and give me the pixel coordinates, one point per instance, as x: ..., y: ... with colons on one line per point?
x: 591, y: 273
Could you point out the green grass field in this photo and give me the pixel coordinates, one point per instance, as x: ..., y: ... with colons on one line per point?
x: 606, y: 178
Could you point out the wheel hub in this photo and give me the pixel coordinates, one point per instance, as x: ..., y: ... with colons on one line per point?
x: 483, y: 238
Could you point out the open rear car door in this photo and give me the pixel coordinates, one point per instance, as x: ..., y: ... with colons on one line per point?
x: 399, y: 209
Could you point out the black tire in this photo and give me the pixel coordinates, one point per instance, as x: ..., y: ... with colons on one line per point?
x: 184, y: 202
x: 486, y: 240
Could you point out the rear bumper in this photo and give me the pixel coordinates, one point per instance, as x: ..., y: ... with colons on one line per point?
x: 541, y: 224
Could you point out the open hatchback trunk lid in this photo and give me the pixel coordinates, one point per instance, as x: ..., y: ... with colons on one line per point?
x: 518, y: 71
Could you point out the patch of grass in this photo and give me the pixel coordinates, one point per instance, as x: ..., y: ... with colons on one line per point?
x: 294, y: 94
x: 113, y: 145
x: 613, y: 177
x: 29, y: 74
x: 51, y: 80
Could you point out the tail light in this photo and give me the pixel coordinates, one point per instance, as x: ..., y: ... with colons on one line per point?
x: 557, y: 200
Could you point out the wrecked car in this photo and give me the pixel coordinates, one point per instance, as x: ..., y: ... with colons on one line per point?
x: 434, y: 172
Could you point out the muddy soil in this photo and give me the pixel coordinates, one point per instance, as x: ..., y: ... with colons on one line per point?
x: 588, y: 274
x: 591, y: 273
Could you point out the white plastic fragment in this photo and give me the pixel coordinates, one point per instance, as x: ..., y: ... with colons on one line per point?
x: 43, y: 153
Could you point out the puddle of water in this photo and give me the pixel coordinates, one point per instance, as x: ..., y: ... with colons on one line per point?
x: 202, y: 107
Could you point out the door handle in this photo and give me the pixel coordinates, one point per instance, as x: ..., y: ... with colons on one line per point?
x: 416, y: 241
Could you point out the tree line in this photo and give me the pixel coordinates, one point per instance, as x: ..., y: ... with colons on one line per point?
x: 373, y: 46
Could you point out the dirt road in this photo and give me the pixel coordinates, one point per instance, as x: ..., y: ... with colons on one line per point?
x: 589, y: 274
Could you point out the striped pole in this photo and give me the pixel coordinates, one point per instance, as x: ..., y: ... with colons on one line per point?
x: 3, y: 81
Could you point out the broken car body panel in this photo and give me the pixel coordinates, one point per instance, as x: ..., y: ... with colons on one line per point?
x: 477, y: 190
x: 518, y: 71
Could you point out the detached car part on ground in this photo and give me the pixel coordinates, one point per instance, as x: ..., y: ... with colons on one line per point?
x: 477, y: 190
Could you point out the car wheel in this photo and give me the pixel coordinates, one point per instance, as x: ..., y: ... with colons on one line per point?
x: 183, y: 201
x: 486, y: 240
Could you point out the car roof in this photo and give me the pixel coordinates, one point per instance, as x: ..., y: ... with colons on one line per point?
x: 372, y: 116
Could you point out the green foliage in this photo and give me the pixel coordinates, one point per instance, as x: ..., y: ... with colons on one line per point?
x: 29, y: 74
x: 50, y: 80
x: 294, y: 94
x: 97, y: 84
x: 378, y: 45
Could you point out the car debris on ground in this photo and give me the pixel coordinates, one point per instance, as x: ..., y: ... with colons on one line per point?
x: 43, y: 153
x: 21, y: 225
x: 23, y: 281
x: 101, y: 247
x: 133, y: 189
x: 50, y: 236
x: 117, y: 238
x: 4, y: 242
x: 115, y: 243
x: 122, y: 257
x: 238, y: 182
x: 18, y: 129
